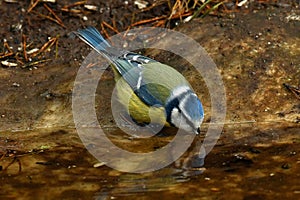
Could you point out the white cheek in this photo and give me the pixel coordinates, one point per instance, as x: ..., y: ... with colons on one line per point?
x: 175, y: 117
x: 179, y: 121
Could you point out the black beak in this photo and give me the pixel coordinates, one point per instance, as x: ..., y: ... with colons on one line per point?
x: 198, y: 130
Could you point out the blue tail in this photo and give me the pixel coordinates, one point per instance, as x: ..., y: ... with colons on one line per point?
x: 91, y: 36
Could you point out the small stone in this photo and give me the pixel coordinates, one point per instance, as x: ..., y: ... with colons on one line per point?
x: 286, y: 166
x: 215, y: 189
x: 98, y: 164
x: 91, y: 7
x: 16, y: 84
x: 84, y: 18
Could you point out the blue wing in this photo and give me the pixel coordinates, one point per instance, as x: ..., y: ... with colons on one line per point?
x: 128, y: 64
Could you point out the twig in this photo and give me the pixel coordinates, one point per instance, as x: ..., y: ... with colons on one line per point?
x: 6, y: 55
x: 114, y: 23
x: 32, y: 6
x: 47, y: 45
x: 110, y: 27
x: 176, y: 16
x: 178, y: 9
x: 74, y: 4
x: 125, y: 33
x: 90, y: 65
x: 104, y: 30
x: 10, y: 52
x: 18, y: 59
x: 66, y: 8
x: 160, y: 23
x: 7, y: 47
x: 35, y: 63
x: 50, y: 18
x: 59, y: 21
x: 24, y: 47
x: 293, y: 89
x: 146, y: 21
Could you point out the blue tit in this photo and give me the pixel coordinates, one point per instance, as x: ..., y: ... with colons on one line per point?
x: 150, y: 85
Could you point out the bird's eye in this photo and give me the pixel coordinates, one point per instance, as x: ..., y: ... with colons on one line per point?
x: 179, y: 110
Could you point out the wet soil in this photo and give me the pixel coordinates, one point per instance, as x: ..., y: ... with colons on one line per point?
x: 256, y: 157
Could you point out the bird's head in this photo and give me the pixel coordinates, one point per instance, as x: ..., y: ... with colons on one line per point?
x: 184, y: 110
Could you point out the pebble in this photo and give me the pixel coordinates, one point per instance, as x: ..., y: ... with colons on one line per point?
x: 96, y: 165
x: 286, y: 166
x: 16, y: 84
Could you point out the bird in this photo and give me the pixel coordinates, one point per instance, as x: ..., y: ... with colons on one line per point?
x: 150, y: 84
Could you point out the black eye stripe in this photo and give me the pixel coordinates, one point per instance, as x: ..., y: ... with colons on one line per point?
x: 174, y: 103
x: 169, y: 107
